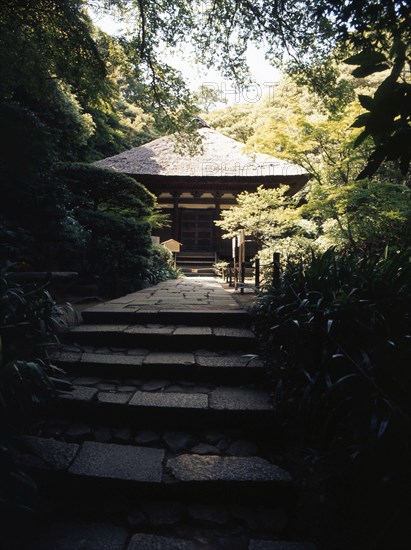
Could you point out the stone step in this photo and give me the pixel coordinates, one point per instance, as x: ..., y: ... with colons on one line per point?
x: 176, y: 314
x: 163, y: 337
x: 196, y: 273
x: 208, y: 263
x: 144, y: 541
x: 223, y: 367
x: 71, y: 534
x: 217, y: 439
x: 162, y: 403
x: 106, y: 466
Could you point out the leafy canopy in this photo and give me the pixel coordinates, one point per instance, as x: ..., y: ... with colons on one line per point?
x: 305, y: 37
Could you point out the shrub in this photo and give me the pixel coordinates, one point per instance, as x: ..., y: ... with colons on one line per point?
x: 337, y: 338
x: 109, y: 217
x: 161, y: 265
x: 28, y: 381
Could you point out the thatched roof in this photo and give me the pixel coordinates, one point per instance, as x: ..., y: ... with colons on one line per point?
x: 221, y: 157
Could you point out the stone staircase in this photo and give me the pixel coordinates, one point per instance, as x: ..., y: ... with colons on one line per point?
x: 168, y: 439
x: 196, y: 264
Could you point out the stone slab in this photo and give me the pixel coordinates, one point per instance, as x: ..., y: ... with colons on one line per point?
x: 231, y: 311
x: 279, y: 545
x: 86, y: 381
x: 70, y: 348
x: 114, y: 398
x: 205, y: 449
x: 106, y: 387
x: 109, y: 306
x: 127, y: 388
x: 99, y: 328
x: 80, y: 393
x: 172, y: 358
x: 56, y: 454
x: 240, y: 399
x: 230, y: 332
x: 112, y: 359
x: 122, y: 462
x: 228, y: 361
x: 79, y: 535
x: 155, y: 385
x: 193, y: 331
x: 170, y: 400
x: 178, y: 441
x: 141, y: 329
x: 156, y: 542
x: 201, y: 468
x: 138, y: 351
x: 67, y: 357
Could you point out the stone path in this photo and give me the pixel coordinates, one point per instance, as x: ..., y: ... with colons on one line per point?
x: 166, y: 439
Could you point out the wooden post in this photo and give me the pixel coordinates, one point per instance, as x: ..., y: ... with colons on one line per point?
x: 276, y: 269
x: 242, y: 277
x: 234, y: 252
x: 257, y: 272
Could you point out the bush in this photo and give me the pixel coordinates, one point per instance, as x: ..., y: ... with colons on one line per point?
x: 161, y: 265
x: 109, y: 219
x: 28, y: 382
x: 337, y: 338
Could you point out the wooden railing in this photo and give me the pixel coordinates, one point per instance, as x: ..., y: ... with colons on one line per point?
x: 236, y: 275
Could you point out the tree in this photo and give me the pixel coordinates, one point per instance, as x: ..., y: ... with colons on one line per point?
x: 65, y: 95
x: 307, y: 36
x: 207, y: 97
x: 339, y: 211
x: 237, y: 122
x: 272, y: 219
x: 263, y: 215
x: 388, y: 116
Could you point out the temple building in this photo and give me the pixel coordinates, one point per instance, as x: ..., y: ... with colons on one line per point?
x: 193, y: 190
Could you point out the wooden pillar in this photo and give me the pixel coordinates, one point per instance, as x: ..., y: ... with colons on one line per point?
x: 257, y: 272
x: 217, y: 230
x: 175, y: 223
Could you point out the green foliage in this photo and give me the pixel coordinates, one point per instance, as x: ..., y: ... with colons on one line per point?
x: 207, y: 96
x: 337, y: 338
x: 110, y: 222
x: 220, y: 268
x: 238, y: 122
x: 334, y: 209
x: 388, y: 116
x: 364, y: 216
x: 28, y: 383
x: 107, y: 231
x: 29, y: 318
x: 161, y: 265
x: 263, y: 215
x: 52, y: 73
x: 310, y: 36
x: 101, y: 190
